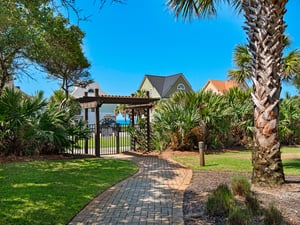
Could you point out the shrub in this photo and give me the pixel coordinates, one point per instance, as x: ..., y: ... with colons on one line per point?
x: 220, y: 202
x: 240, y: 186
x: 272, y: 216
x: 239, y: 216
x: 252, y: 203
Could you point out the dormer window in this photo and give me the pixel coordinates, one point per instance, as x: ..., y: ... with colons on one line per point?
x: 91, y: 90
x: 181, y: 87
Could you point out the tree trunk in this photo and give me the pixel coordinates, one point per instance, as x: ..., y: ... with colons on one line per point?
x: 265, y: 29
x: 4, y: 75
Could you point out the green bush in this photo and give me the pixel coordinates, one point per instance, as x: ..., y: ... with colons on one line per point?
x: 239, y: 216
x: 31, y: 125
x: 240, y: 185
x: 272, y: 216
x: 220, y: 202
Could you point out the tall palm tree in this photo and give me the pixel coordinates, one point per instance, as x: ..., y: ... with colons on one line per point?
x: 265, y: 30
x: 242, y: 60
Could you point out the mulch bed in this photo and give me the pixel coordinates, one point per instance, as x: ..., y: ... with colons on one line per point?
x: 6, y: 159
x: 285, y: 198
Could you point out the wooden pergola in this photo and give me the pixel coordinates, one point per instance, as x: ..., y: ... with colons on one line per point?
x: 132, y: 103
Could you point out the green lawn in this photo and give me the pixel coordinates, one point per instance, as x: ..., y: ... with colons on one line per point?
x: 237, y: 161
x: 52, y: 192
x: 107, y: 142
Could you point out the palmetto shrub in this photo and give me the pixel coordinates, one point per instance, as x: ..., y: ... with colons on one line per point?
x: 189, y: 117
x: 28, y: 125
x: 219, y: 120
x: 17, y: 120
x: 289, y: 125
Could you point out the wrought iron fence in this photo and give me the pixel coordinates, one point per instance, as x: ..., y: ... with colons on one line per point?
x: 113, y: 139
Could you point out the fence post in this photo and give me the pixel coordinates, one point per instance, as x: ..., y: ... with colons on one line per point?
x: 201, y: 151
x: 97, y: 127
x: 118, y: 137
x: 132, y: 139
x: 97, y: 133
x: 86, y: 140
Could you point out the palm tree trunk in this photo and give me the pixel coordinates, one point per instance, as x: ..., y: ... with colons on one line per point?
x: 265, y: 29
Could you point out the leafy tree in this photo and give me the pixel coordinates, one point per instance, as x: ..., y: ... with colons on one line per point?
x: 16, y: 36
x: 60, y: 54
x: 265, y: 29
x: 34, y: 33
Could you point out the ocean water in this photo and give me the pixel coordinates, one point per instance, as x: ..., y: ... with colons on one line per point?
x: 123, y: 122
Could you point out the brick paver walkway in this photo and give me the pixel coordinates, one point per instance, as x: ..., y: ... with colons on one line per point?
x: 153, y: 196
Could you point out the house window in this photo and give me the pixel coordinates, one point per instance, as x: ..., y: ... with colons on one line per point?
x: 150, y: 92
x: 91, y: 90
x: 181, y: 87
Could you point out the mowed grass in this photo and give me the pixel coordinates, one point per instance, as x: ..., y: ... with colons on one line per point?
x: 52, y: 192
x: 105, y: 142
x: 237, y: 161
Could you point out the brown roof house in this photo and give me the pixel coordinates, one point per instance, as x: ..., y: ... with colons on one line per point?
x: 164, y: 86
x: 220, y: 87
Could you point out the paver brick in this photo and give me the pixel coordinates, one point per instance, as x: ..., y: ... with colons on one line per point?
x: 153, y: 196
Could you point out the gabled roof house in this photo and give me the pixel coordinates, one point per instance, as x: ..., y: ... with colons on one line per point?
x: 164, y: 86
x: 221, y: 87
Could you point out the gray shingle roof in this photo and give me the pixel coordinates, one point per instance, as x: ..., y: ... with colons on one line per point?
x: 163, y: 83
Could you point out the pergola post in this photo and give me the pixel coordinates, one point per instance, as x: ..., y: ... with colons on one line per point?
x: 132, y: 139
x: 86, y: 119
x: 147, y: 112
x: 97, y: 126
x: 118, y: 137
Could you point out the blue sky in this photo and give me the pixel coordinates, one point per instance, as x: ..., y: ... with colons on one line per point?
x: 126, y: 41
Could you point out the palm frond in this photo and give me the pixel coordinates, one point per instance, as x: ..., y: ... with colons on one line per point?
x: 291, y: 65
x: 189, y: 9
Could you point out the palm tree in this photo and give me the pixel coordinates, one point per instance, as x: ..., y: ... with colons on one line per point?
x: 265, y: 30
x: 242, y: 60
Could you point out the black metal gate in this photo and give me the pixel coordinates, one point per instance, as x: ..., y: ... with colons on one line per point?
x: 114, y: 139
